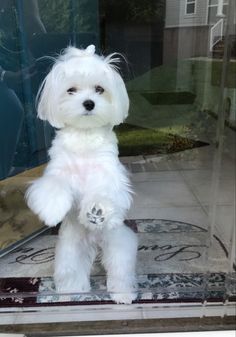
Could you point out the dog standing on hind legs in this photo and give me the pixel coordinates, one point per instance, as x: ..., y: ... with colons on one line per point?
x: 84, y: 185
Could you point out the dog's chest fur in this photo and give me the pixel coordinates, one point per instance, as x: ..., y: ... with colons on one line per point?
x: 84, y: 156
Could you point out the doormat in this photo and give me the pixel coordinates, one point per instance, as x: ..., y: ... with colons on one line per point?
x: 171, y: 267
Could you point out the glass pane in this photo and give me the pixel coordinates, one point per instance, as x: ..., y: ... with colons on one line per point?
x: 190, y: 8
x: 178, y: 143
x: 225, y: 8
x: 212, y: 17
x: 213, y: 2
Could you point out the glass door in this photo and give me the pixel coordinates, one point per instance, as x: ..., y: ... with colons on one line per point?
x: 178, y: 143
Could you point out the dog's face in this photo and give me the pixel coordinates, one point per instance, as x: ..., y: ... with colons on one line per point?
x: 83, y: 90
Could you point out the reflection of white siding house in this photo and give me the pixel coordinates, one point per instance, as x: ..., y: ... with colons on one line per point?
x: 196, y: 28
x: 189, y: 24
x: 178, y: 13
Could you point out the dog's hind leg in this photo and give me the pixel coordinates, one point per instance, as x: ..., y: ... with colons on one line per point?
x: 119, y: 259
x: 74, y: 258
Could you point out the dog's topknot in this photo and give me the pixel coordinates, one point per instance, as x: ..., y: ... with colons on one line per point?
x: 70, y: 52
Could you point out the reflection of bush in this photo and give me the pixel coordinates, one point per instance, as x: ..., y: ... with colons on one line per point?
x: 63, y: 16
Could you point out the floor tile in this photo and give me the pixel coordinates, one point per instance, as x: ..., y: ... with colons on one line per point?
x: 163, y: 193
x: 227, y: 172
x: 157, y: 176
x: 203, y: 190
x: 224, y: 221
x: 193, y: 214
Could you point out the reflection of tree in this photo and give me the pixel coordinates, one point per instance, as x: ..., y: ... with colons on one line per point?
x: 58, y: 15
x: 55, y: 15
x: 135, y: 11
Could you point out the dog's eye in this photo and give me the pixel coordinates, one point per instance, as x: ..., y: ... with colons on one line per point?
x: 99, y: 89
x: 71, y: 90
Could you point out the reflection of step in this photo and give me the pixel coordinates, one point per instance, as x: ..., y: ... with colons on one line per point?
x: 218, y: 49
x: 233, y: 50
x: 169, y: 98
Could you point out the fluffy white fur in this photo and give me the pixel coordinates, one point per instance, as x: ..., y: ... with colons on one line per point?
x: 84, y: 185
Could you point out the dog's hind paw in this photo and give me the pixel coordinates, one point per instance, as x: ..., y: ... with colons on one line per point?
x: 123, y: 298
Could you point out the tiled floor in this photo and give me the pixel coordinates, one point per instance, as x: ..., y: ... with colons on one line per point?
x: 178, y: 187
x: 181, y: 187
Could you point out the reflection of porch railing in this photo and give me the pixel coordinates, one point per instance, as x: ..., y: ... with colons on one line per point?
x: 216, y: 33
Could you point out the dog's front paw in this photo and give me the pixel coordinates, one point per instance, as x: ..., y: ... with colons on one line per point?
x: 97, y: 215
x: 94, y: 216
x: 50, y: 199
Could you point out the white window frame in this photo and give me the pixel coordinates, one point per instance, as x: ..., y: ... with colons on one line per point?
x: 190, y: 2
x: 225, y: 2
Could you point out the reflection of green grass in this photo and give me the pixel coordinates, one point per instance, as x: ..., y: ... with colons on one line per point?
x: 140, y: 141
x: 231, y: 74
x: 164, y: 117
x: 169, y: 98
x: 168, y: 102
x: 173, y: 95
x: 156, y: 102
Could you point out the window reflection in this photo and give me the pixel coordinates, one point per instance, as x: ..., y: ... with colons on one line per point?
x: 30, y: 30
x: 190, y: 6
x: 151, y: 34
x: 19, y: 24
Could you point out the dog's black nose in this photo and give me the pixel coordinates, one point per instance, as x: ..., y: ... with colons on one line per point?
x: 89, y: 105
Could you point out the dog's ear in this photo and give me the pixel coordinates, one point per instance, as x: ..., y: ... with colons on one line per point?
x: 120, y: 98
x: 46, y: 98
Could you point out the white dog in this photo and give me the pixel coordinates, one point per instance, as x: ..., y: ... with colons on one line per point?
x: 84, y: 184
